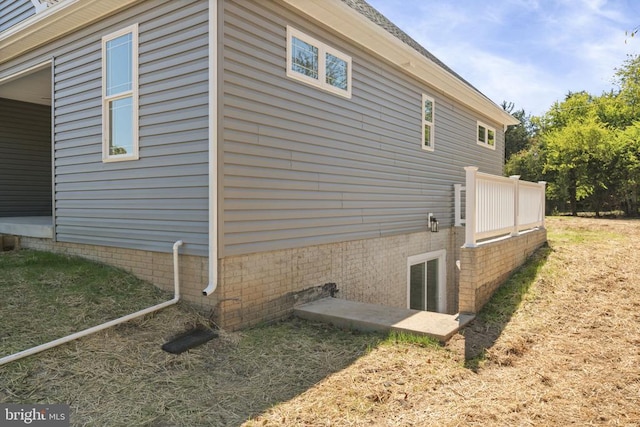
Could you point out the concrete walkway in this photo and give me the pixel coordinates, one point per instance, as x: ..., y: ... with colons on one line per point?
x: 372, y: 317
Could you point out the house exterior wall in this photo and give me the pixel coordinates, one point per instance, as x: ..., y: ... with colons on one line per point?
x: 25, y: 162
x: 162, y: 197
x: 303, y: 167
x: 313, y: 188
x: 266, y: 286
x: 13, y: 12
x: 486, y: 267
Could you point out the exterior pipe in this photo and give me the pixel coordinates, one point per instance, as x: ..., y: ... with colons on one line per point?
x: 75, y: 336
x: 213, y: 148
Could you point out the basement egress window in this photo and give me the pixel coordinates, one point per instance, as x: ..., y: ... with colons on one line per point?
x: 426, y: 281
x: 318, y: 64
x: 120, y: 95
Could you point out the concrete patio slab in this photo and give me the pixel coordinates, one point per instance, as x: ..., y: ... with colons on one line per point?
x: 372, y: 317
x: 28, y: 226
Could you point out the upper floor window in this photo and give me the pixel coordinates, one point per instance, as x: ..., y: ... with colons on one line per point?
x: 120, y: 95
x: 428, y: 105
x: 315, y: 63
x: 486, y: 136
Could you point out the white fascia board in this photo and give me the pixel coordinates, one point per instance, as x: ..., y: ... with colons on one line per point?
x: 53, y: 22
x: 353, y: 25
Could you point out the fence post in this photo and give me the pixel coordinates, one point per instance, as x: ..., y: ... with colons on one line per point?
x: 470, y: 207
x: 543, y: 202
x: 516, y: 205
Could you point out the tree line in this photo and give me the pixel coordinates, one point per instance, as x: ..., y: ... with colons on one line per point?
x: 586, y: 147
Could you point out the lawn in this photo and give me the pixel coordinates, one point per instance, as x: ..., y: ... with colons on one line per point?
x: 559, y: 344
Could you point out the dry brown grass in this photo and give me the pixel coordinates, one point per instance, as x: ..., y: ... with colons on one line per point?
x: 121, y: 377
x: 562, y: 347
x: 569, y: 353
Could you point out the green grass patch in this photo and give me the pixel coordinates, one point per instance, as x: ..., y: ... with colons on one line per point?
x: 508, y: 298
x: 396, y: 337
x: 47, y: 296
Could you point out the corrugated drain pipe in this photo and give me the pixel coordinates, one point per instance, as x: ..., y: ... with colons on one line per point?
x: 75, y: 336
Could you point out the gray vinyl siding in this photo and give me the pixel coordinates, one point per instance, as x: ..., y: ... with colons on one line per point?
x: 149, y: 203
x: 25, y: 159
x: 13, y: 12
x: 305, y: 167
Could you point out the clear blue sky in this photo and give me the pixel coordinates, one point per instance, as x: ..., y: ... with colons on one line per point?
x: 529, y: 52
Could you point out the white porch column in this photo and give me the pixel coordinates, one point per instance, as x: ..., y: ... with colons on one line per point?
x: 470, y: 208
x: 543, y: 202
x: 516, y: 204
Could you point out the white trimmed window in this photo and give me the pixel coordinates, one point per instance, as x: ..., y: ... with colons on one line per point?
x: 120, y: 95
x: 486, y: 136
x: 317, y: 64
x: 428, y: 111
x: 427, y: 281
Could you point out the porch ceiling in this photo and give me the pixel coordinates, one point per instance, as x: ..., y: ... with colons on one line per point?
x: 34, y: 87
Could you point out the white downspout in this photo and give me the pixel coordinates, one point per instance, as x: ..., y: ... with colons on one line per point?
x: 75, y: 336
x: 213, y: 148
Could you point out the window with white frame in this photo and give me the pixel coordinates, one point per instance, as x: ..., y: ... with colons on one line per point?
x: 120, y: 95
x: 315, y: 63
x: 426, y: 281
x: 428, y: 107
x: 486, y: 136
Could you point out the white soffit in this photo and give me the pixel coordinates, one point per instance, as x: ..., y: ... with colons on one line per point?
x: 357, y: 27
x: 53, y: 22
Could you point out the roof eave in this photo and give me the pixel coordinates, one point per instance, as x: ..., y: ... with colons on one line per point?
x: 350, y: 23
x: 54, y: 22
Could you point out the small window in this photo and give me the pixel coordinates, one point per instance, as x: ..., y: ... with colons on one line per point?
x: 428, y: 112
x: 120, y: 95
x: 426, y: 282
x: 315, y: 63
x: 486, y: 136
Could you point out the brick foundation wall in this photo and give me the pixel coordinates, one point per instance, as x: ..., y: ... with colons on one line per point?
x: 486, y: 267
x: 154, y: 267
x: 265, y: 286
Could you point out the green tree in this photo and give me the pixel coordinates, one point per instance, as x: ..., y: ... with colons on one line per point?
x: 626, y: 168
x: 627, y: 78
x: 577, y: 106
x: 528, y: 163
x: 578, y: 156
x: 517, y: 137
x: 612, y: 110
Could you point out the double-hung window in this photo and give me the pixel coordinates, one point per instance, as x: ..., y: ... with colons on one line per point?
x: 317, y: 64
x: 486, y: 136
x: 428, y: 105
x: 120, y: 95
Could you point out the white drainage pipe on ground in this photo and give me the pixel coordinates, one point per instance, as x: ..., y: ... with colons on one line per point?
x: 75, y: 336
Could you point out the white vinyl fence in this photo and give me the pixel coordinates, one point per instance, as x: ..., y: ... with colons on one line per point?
x: 498, y: 206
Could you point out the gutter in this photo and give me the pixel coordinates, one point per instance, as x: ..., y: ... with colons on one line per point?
x: 356, y: 27
x: 89, y: 331
x: 54, y: 22
x: 213, y: 149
